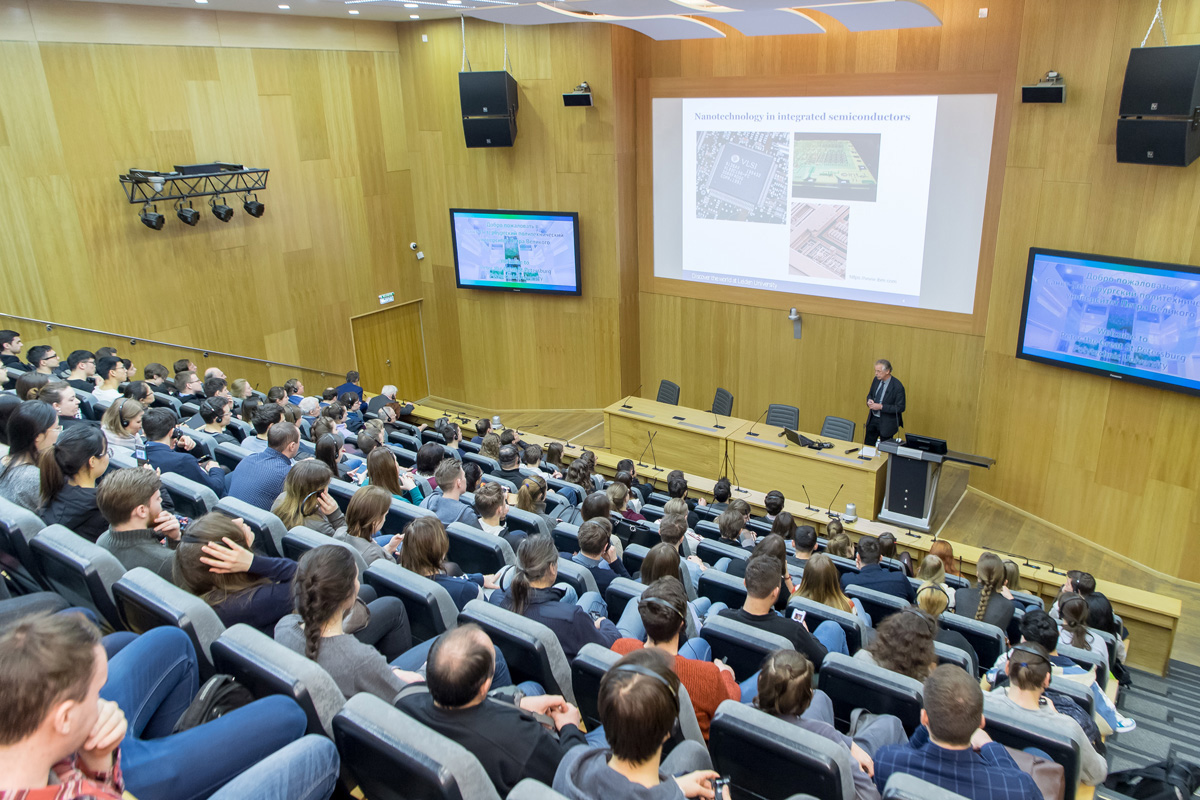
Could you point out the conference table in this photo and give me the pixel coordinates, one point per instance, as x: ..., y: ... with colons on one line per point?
x: 673, y: 433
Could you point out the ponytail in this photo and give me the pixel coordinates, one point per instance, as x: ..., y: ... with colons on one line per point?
x: 1074, y: 612
x: 990, y: 572
x: 533, y: 491
x: 536, y: 556
x: 75, y: 448
x: 785, y: 684
x: 323, y: 582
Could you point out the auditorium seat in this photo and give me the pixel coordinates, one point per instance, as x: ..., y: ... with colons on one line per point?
x: 405, y: 440
x: 640, y: 533
x: 191, y: 499
x: 268, y: 529
x: 430, y: 610
x: 507, y: 484
x: 711, y: 550
x: 988, y: 641
x: 948, y: 654
x: 391, y: 756
x: 707, y: 513
x: 763, y: 527
x: 1110, y: 642
x: 266, y: 668
x: 80, y: 571
x: 722, y: 588
x: 620, y: 592
x: 122, y: 458
x: 838, y: 428
x: 1028, y: 599
x: 659, y: 499
x: 488, y: 465
x: 520, y: 521
x: 400, y: 514
x: 476, y: 551
x: 430, y: 435
x: 653, y: 513
x: 743, y: 646
x: 230, y: 455
x: 782, y: 416
x: 957, y: 582
x: 854, y: 628
x: 566, y: 538
x: 87, y: 405
x: 568, y: 491
x: 901, y: 786
x: 723, y: 403
x: 18, y: 526
x: 853, y: 683
x: 146, y: 601
x: 768, y: 757
x: 633, y: 557
x: 1012, y: 729
x: 529, y: 789
x: 164, y: 400
x: 1088, y: 660
x: 300, y: 539
x: 878, y: 605
x: 531, y: 649
x: 467, y: 446
x: 407, y: 459
x: 708, y: 529
x: 577, y: 575
x: 1081, y: 693
x: 341, y: 491
x: 845, y: 566
x: 668, y: 393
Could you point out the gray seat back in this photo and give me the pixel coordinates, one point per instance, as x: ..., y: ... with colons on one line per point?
x: 668, y: 392
x: 816, y: 613
x: 838, y: 428
x: 230, y: 455
x: 431, y: 611
x: 947, y: 654
x: 476, y: 551
x: 579, y: 576
x: 743, y: 646
x: 988, y: 641
x: 853, y: 683
x: 268, y: 528
x: 529, y: 789
x: 1088, y: 660
x: 82, y: 572
x: 1021, y: 729
x: 783, y: 416
x: 18, y: 526
x: 146, y: 601
x: 299, y: 540
x: 401, y: 514
x: 878, y: 605
x: 531, y: 649
x: 901, y: 786
x: 620, y: 593
x: 723, y: 403
x: 191, y: 499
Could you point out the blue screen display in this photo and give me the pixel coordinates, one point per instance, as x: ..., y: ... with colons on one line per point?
x: 1126, y: 319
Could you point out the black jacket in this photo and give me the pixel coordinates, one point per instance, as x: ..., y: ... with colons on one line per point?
x: 874, y: 576
x: 75, y: 508
x: 891, y: 416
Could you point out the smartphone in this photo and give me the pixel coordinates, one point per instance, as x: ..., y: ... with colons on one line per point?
x: 139, y: 452
x: 799, y: 614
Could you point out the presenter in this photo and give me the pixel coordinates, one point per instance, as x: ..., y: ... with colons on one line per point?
x: 886, y: 404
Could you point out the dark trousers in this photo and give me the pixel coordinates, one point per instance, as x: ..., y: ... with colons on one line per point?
x: 872, y: 431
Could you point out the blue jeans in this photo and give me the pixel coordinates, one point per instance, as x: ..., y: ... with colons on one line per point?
x: 592, y: 603
x: 307, y: 769
x: 631, y: 627
x: 413, y: 660
x: 153, y: 680
x: 830, y: 634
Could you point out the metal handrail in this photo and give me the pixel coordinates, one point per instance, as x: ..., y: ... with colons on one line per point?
x: 133, y: 340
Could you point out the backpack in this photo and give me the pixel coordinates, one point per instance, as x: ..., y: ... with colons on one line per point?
x: 219, y: 695
x: 1164, y: 780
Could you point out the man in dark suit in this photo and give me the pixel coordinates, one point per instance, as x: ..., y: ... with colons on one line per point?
x: 351, y: 385
x: 885, y: 402
x: 871, y: 575
x: 163, y: 451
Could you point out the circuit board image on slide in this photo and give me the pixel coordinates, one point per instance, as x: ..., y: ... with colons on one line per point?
x: 836, y: 166
x: 742, y: 176
x: 819, y: 237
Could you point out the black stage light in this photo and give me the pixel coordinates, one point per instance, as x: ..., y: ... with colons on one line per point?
x: 220, y: 210
x: 189, y: 215
x: 151, y: 218
x: 253, y: 207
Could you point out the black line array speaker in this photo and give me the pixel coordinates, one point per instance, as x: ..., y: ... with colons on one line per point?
x: 1160, y: 107
x: 489, y: 108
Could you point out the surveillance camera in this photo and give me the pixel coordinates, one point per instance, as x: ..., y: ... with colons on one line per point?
x: 157, y: 182
x: 412, y: 246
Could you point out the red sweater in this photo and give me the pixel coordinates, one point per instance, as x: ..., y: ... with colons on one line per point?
x: 707, y: 684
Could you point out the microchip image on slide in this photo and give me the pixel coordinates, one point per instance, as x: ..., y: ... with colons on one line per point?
x: 835, y: 166
x: 742, y: 176
x: 819, y: 236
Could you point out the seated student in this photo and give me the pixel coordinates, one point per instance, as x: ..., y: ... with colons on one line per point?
x: 1100, y: 615
x: 267, y: 415
x: 510, y: 465
x: 112, y: 373
x: 722, y: 491
x: 217, y: 413
x: 241, y: 389
x: 932, y: 570
x: 887, y: 545
x: 838, y: 544
x: 531, y: 457
x: 491, y: 504
x: 733, y: 530
x: 510, y: 436
x: 510, y: 743
x: 490, y: 446
x: 140, y: 391
x: 785, y: 691
x: 804, y: 539
x: 365, y: 515
x: 672, y: 530
x: 10, y: 347
x: 294, y: 390
x: 61, y: 396
x: 32, y: 429
x: 310, y: 409
x: 163, y: 451
x: 677, y: 487
x: 383, y: 470
x: 773, y: 503
x: 618, y: 497
x: 662, y: 561
x: 663, y: 612
x: 188, y: 386
x: 351, y: 403
x: 596, y: 553
x: 131, y: 501
x: 351, y: 385
x: 639, y: 711
x: 214, y: 386
x: 305, y: 499
x: 258, y: 478
x: 30, y: 384
x: 43, y: 360
x: 69, y: 472
x: 872, y: 575
x: 277, y: 395
x: 577, y: 475
x: 82, y: 364
x: 904, y: 643
x: 429, y: 456
x: 820, y: 582
x: 758, y: 611
x: 215, y: 372
x: 483, y: 426
x: 642, y: 489
x: 328, y: 396
x: 945, y: 551
x: 424, y: 552
x: 451, y: 433
x: 332, y: 627
x: 1074, y: 632
x: 372, y: 435
x: 951, y: 750
x: 531, y: 497
x: 156, y: 375
x: 986, y: 601
x: 122, y: 423
x: 331, y: 451
x: 770, y: 545
x: 933, y: 600
x: 444, y: 501
x: 533, y: 595
x: 66, y: 734
x: 184, y: 365
x: 387, y: 396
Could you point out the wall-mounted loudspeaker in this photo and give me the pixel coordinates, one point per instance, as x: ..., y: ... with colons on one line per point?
x: 1160, y: 107
x: 489, y: 108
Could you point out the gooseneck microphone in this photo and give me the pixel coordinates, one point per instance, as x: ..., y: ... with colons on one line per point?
x: 808, y: 506
x: 625, y: 402
x: 760, y: 416
x: 644, y: 449
x: 717, y: 422
x: 833, y: 514
x: 653, y: 456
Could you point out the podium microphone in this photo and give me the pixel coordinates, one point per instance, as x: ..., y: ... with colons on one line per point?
x: 625, y: 402
x: 807, y: 507
x: 833, y: 514
x: 717, y: 422
x: 760, y: 416
x: 644, y: 449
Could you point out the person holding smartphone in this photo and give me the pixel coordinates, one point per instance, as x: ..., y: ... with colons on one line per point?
x: 167, y: 450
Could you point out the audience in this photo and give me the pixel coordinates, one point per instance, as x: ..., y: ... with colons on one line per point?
x: 932, y: 570
x: 804, y: 538
x: 509, y: 742
x: 305, y: 499
x: 483, y: 426
x: 986, y: 601
x: 351, y: 385
x: 43, y: 360
x: 241, y: 389
x: 265, y: 416
x: 618, y: 497
x: 1073, y: 614
x: 596, y: 553
x: 821, y: 583
x: 491, y: 505
x: 426, y: 546
x: 188, y: 387
x: 904, y: 643
x: 838, y: 544
x: 554, y: 453
x: 945, y: 551
x: 510, y: 465
x: 489, y: 447
x: 112, y: 373
x: 29, y: 385
x: 933, y: 600
x: 131, y: 502
x: 155, y: 375
x: 217, y: 413
x: 722, y: 490
x: 531, y: 497
x: 70, y: 470
x: 365, y: 515
x: 215, y: 386
x: 32, y: 430
x: 214, y: 372
x: 672, y: 529
x: 773, y: 503
x: 10, y: 348
x: 951, y: 750
x: 122, y: 424
x: 331, y: 451
x: 62, y: 398
x: 429, y: 456
x: 258, y: 478
x: 733, y: 529
x: 384, y: 470
x: 873, y: 575
x: 82, y: 365
x: 163, y: 447
x: 444, y: 501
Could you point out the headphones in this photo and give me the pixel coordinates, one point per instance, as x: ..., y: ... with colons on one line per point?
x: 935, y: 588
x: 638, y: 669
x: 120, y: 416
x: 1029, y: 651
x: 928, y: 620
x: 658, y: 601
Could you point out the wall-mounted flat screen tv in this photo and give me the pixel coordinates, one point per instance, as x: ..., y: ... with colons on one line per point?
x: 516, y: 251
x: 1118, y: 317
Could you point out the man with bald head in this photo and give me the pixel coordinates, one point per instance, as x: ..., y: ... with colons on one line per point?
x: 507, y: 739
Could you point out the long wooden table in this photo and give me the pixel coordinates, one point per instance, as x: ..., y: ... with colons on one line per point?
x: 680, y: 435
x: 1152, y: 619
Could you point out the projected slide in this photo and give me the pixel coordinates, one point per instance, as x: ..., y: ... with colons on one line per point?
x: 535, y: 252
x: 876, y: 199
x: 1116, y: 318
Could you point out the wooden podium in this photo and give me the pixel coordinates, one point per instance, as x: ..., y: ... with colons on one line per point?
x: 912, y: 479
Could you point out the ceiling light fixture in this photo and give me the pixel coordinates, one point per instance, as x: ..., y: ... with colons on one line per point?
x: 151, y: 218
x: 253, y: 207
x: 414, y: 16
x: 220, y: 210
x: 283, y: 7
x: 353, y: 11
x: 189, y: 215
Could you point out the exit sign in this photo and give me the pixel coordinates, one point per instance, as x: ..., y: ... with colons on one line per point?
x: 384, y: 299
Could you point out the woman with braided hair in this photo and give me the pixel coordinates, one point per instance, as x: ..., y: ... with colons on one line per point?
x: 986, y: 602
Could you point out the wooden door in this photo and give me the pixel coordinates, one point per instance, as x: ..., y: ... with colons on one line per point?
x: 389, y: 347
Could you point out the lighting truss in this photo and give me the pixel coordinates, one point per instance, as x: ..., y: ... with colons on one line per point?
x: 147, y: 186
